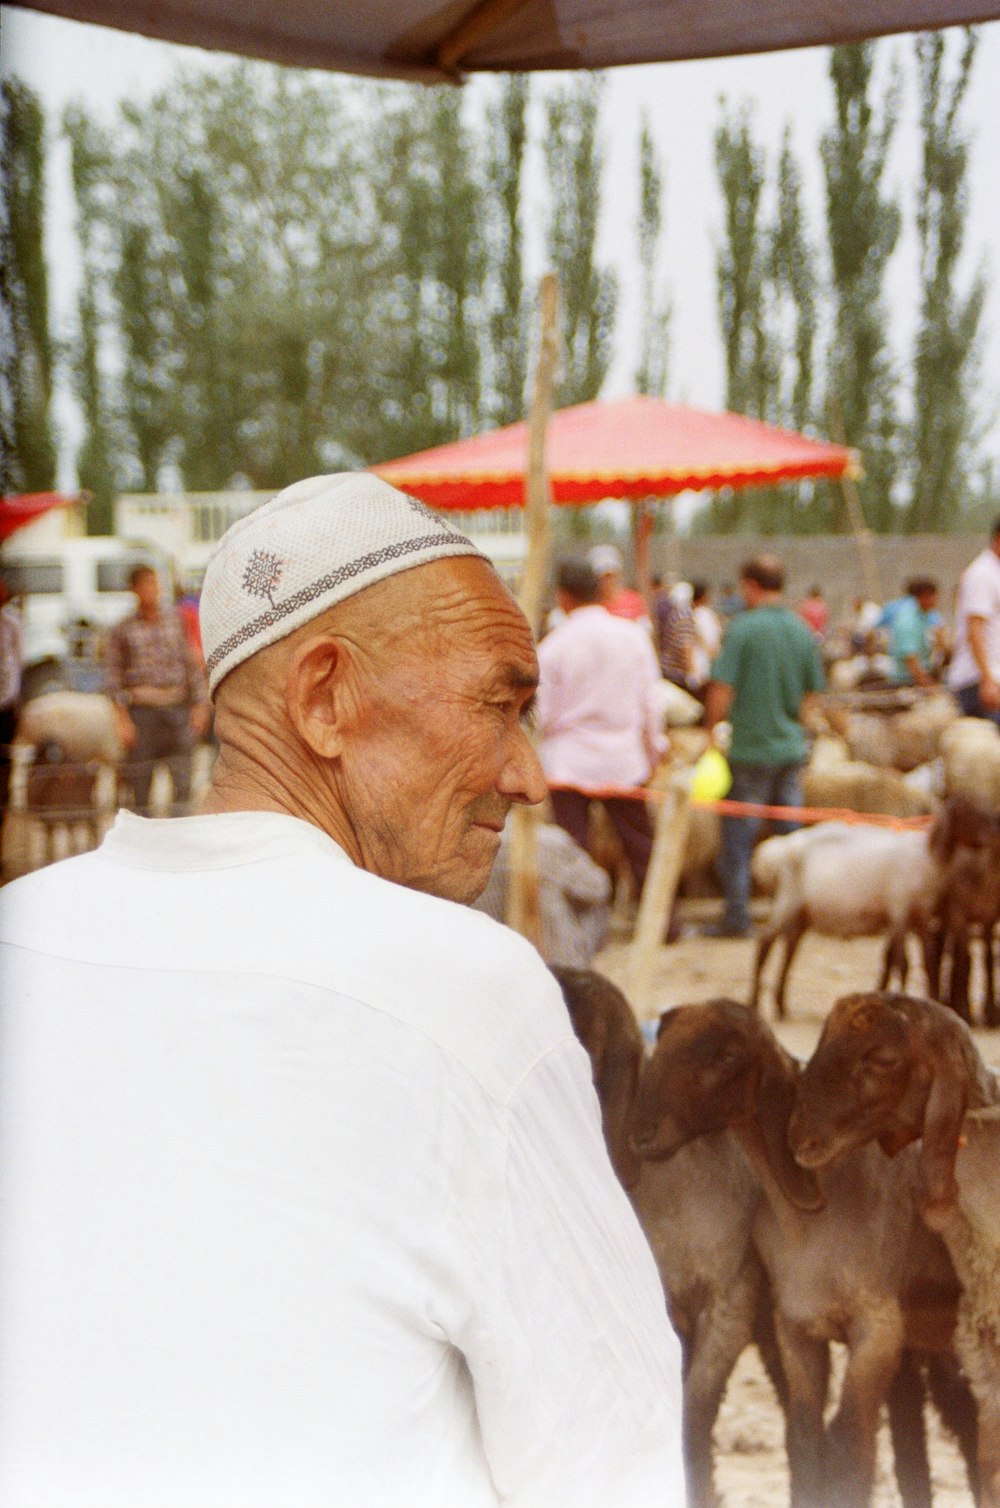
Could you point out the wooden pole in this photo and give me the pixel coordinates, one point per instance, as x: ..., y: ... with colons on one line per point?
x: 656, y: 902
x: 522, y: 888
x: 856, y: 514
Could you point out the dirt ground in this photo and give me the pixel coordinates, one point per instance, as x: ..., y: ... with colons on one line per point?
x: 751, y: 1471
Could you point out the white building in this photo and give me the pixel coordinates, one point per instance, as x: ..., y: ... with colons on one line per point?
x: 185, y: 526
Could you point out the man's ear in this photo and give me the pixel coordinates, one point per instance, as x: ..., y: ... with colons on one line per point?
x: 315, y: 693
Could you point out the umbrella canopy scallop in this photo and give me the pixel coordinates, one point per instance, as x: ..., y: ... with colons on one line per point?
x: 624, y: 448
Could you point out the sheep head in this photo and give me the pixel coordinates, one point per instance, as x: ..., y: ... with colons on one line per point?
x: 716, y: 1067
x: 894, y: 1069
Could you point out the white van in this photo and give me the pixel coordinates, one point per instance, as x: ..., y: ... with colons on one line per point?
x: 70, y: 592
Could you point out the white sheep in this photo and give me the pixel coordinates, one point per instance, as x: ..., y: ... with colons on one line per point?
x: 970, y: 749
x: 82, y: 723
x: 846, y: 881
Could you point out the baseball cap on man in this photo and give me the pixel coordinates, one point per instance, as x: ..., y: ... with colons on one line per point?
x: 312, y: 545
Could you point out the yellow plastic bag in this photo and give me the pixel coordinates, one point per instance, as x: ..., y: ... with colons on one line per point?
x: 712, y: 776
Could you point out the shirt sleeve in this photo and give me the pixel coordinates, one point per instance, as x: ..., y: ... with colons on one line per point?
x: 114, y: 663
x: 980, y: 594
x: 726, y: 665
x: 575, y: 1367
x: 194, y: 671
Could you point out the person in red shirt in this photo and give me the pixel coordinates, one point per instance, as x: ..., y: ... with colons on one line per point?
x: 612, y: 593
x: 814, y: 611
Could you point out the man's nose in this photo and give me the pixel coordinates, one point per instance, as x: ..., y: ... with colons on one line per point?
x: 522, y: 778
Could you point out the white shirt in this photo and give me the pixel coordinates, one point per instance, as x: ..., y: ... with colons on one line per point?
x: 978, y: 597
x: 304, y: 1198
x: 709, y: 641
x: 598, y: 710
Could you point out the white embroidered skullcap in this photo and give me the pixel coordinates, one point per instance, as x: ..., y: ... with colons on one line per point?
x: 316, y: 543
x: 604, y: 558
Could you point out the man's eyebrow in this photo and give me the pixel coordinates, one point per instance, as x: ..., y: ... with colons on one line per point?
x: 515, y: 678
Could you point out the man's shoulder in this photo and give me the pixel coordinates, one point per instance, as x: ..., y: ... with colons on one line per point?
x: 476, y: 987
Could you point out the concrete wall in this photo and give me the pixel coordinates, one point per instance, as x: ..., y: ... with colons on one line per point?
x: 831, y: 561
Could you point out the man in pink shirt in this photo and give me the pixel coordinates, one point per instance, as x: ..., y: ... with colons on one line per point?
x: 598, y: 713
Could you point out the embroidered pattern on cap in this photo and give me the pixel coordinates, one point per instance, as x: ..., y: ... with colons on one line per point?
x: 262, y: 574
x: 327, y: 583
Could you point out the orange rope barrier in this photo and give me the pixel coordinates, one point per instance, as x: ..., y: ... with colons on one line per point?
x: 804, y: 814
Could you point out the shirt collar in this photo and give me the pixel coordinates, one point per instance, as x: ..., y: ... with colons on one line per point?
x: 223, y: 840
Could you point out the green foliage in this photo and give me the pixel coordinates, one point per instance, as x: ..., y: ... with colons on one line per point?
x: 741, y: 269
x: 89, y: 162
x: 507, y: 134
x: 651, y: 375
x: 29, y: 459
x: 863, y: 226
x: 432, y: 212
x: 588, y: 294
x: 793, y: 277
x: 945, y: 359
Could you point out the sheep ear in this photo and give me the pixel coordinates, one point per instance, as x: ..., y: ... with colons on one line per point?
x: 769, y: 1135
x: 943, y: 1117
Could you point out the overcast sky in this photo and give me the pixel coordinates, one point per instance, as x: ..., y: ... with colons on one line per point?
x: 64, y: 60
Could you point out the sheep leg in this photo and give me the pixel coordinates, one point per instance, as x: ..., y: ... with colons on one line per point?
x: 991, y: 1016
x: 954, y: 1402
x: 958, y: 996
x: 909, y: 1437
x: 875, y: 1344
x: 764, y: 945
x: 932, y: 940
x: 793, y: 936
x: 722, y: 1332
x: 894, y: 960
x: 806, y: 1365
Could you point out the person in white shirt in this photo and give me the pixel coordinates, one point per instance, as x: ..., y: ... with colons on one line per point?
x: 305, y: 1194
x: 974, y: 672
x: 598, y: 714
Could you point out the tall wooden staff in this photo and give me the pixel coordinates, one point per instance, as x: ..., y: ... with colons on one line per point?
x: 522, y: 892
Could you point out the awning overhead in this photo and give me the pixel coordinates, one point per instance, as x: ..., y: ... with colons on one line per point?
x: 426, y: 39
x: 22, y: 508
x: 624, y: 448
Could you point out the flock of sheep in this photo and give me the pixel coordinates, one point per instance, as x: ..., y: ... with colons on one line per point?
x: 854, y: 1199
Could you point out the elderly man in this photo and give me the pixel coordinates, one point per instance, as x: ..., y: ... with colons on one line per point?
x: 305, y: 1195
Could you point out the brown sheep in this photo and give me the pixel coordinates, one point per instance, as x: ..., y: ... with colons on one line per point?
x: 844, y: 1252
x: 896, y: 1070
x: 603, y: 1021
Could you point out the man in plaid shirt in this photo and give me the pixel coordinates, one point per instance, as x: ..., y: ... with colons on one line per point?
x: 159, y: 689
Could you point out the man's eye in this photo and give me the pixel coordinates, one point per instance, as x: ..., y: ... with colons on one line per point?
x: 529, y: 716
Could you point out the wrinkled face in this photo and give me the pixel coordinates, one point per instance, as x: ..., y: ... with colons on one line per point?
x: 851, y: 1088
x: 440, y: 750
x: 698, y: 1081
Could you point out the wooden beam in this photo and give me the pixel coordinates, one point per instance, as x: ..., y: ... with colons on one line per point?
x: 473, y: 29
x: 656, y: 902
x: 522, y: 911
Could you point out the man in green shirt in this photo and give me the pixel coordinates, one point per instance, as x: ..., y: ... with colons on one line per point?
x: 767, y: 670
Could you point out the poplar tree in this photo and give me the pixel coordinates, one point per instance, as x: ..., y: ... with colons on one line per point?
x: 29, y: 461
x: 742, y: 269
x: 945, y: 358
x: 863, y: 223
x: 793, y: 274
x: 89, y: 169
x: 588, y: 293
x: 651, y: 375
x: 506, y: 138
